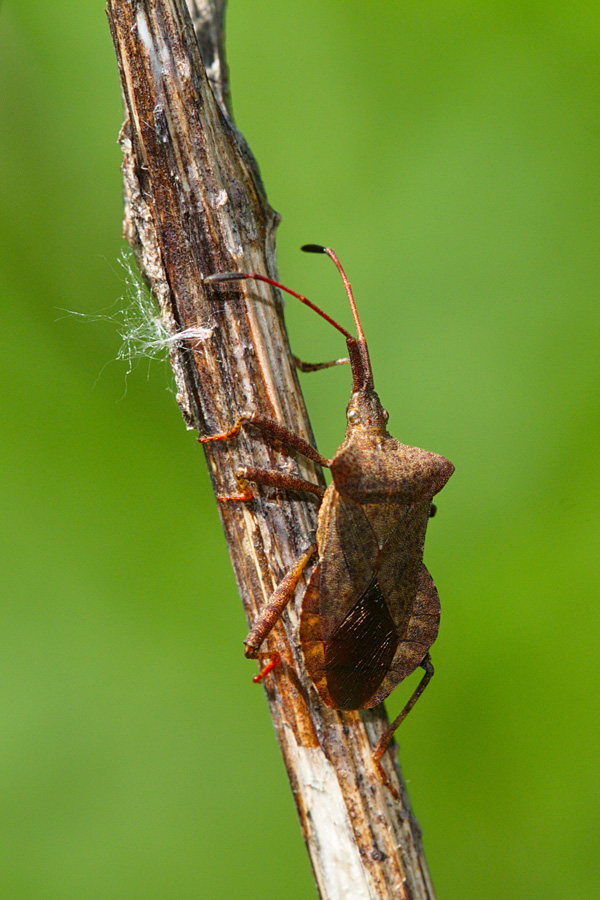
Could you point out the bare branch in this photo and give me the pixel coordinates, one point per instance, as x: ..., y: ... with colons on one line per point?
x: 194, y: 205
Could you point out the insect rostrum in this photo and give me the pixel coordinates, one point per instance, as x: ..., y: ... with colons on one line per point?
x: 370, y: 611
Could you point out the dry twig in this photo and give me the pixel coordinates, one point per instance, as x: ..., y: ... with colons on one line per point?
x: 194, y: 205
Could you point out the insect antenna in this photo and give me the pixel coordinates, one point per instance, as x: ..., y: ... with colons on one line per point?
x: 253, y: 276
x: 362, y: 374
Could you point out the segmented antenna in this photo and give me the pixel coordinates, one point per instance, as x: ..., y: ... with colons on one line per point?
x: 361, y: 369
x: 362, y: 375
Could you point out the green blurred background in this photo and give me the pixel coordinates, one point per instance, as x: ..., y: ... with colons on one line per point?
x: 449, y: 152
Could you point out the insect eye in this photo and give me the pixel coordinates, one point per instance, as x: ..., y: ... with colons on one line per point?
x: 353, y: 417
x: 386, y: 415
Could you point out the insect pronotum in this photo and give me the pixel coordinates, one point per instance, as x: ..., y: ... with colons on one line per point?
x: 370, y: 611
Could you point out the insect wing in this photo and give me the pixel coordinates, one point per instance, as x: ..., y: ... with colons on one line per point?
x: 420, y: 634
x: 367, y: 589
x: 348, y: 548
x: 345, y: 676
x: 359, y: 652
x: 401, y: 562
x: 357, y: 628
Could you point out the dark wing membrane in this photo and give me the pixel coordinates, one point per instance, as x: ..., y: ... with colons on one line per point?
x: 359, y: 652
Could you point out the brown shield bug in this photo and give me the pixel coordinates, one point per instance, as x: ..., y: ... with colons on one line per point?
x: 370, y: 611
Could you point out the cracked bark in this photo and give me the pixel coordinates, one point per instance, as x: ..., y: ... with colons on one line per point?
x: 195, y: 205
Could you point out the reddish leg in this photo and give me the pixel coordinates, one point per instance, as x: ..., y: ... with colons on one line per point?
x: 316, y: 367
x: 271, y: 429
x: 389, y: 732
x: 272, y: 478
x: 272, y: 611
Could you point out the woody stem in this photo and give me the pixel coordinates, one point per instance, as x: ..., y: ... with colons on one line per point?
x: 195, y: 205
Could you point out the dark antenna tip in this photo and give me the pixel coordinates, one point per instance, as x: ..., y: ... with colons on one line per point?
x: 313, y: 248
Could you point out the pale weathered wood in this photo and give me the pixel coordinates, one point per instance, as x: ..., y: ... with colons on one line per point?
x: 194, y: 205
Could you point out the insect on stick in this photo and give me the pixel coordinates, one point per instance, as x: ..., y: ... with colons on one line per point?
x: 370, y: 611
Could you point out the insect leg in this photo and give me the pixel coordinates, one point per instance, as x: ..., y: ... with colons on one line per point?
x: 271, y: 429
x: 389, y: 732
x: 315, y: 367
x: 277, y: 479
x: 272, y: 478
x: 272, y: 611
